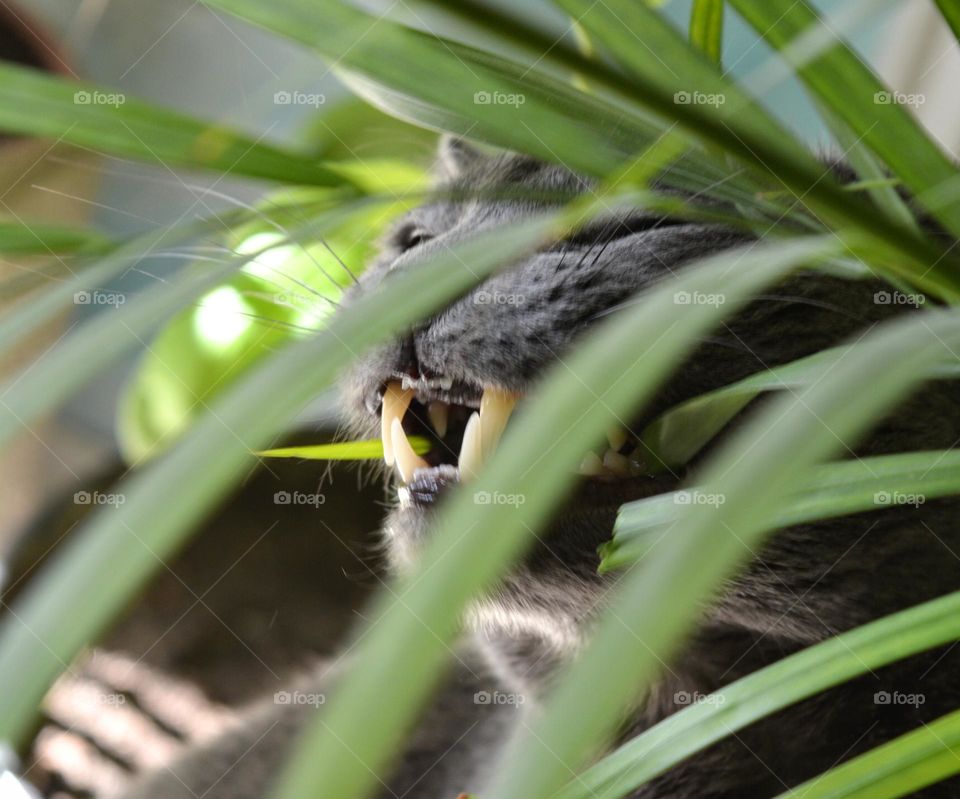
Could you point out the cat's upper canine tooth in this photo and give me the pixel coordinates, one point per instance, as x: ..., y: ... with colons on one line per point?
x: 396, y: 400
x: 616, y: 437
x: 496, y: 405
x: 439, y: 413
x: 471, y: 450
x: 407, y: 460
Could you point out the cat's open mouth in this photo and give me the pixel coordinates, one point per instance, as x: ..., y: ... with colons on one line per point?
x: 464, y: 424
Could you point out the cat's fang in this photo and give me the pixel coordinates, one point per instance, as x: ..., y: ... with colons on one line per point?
x: 439, y: 413
x: 591, y: 465
x: 471, y: 450
x: 407, y: 460
x: 496, y: 405
x: 617, y: 437
x: 396, y: 400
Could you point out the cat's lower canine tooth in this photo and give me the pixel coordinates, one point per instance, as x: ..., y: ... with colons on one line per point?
x: 591, y: 465
x: 496, y: 405
x: 616, y: 463
x: 439, y: 413
x: 407, y: 460
x: 471, y: 450
x: 395, y: 402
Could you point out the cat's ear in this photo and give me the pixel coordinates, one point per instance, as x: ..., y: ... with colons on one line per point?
x: 455, y: 156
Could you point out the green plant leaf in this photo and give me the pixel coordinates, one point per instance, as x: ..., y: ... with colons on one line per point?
x: 38, y: 238
x: 828, y: 491
x: 706, y: 28
x: 897, y: 768
x: 685, y: 570
x: 286, y: 292
x: 766, y: 691
x: 839, y: 78
x: 407, y: 643
x: 163, y: 500
x: 96, y: 343
x: 951, y: 13
x: 343, y: 451
x: 738, y: 126
x: 33, y: 103
x: 677, y: 435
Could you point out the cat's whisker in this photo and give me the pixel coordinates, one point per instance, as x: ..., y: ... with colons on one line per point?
x: 282, y: 229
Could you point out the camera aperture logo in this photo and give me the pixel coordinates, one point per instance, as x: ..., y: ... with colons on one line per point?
x: 499, y: 98
x: 312, y: 99
x: 299, y: 698
x: 498, y: 498
x: 696, y: 698
x: 897, y: 698
x: 299, y: 498
x: 698, y: 298
x: 898, y: 298
x: 498, y: 298
x: 84, y: 97
x: 899, y: 98
x: 890, y: 498
x: 699, y: 98
x: 98, y: 498
x: 698, y: 498
x: 97, y: 297
x: 498, y: 698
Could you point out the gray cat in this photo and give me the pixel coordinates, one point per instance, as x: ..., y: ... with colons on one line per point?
x: 807, y: 584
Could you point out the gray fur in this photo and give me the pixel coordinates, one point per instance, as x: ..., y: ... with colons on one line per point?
x: 807, y: 584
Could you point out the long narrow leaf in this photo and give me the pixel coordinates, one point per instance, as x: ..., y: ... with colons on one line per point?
x: 33, y: 103
x: 36, y: 238
x: 753, y: 137
x: 661, y: 600
x: 706, y: 27
x: 830, y: 490
x: 766, y: 691
x: 407, y: 73
x: 162, y: 501
x: 897, y: 768
x: 951, y: 13
x: 678, y: 434
x: 407, y: 645
x: 842, y: 82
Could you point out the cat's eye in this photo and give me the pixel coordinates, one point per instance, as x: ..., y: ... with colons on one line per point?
x: 410, y: 236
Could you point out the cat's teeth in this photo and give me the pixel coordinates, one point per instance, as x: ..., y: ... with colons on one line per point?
x: 616, y: 437
x: 591, y: 465
x: 471, y: 450
x: 407, y: 460
x: 396, y: 400
x: 439, y: 413
x: 615, y: 463
x: 496, y: 405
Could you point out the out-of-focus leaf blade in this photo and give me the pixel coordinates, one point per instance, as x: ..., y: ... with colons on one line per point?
x: 38, y: 238
x: 706, y: 27
x: 951, y: 13
x: 679, y: 433
x: 407, y: 645
x: 163, y: 500
x: 828, y: 491
x: 685, y: 570
x: 898, y: 768
x: 844, y: 84
x: 33, y: 103
x: 766, y: 691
